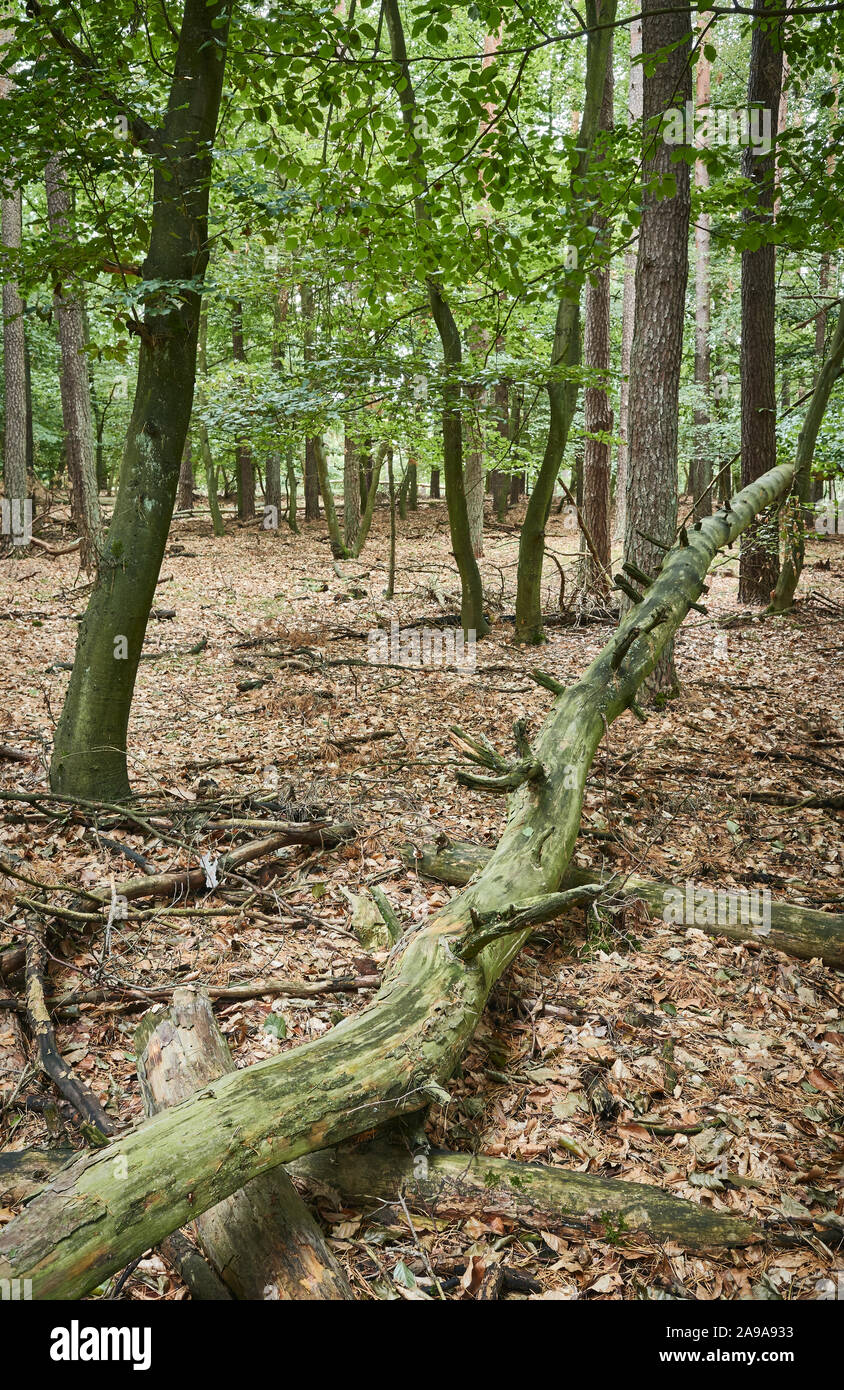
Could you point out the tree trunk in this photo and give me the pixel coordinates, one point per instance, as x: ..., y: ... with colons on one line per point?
x: 338, y: 548
x: 472, y: 598
x: 244, y: 464
x: 292, y: 488
x: 262, y: 1241
x: 371, y: 498
x: 413, y: 485
x: 527, y: 1194
x: 661, y: 273
x: 14, y: 378
x: 435, y: 484
x: 800, y: 502
x: 395, y: 1055
x: 759, y: 562
x: 473, y: 474
x: 272, y: 490
x: 562, y: 395
x: 597, y: 412
x: 185, y: 493
x: 391, y: 568
x: 74, y: 383
x: 208, y: 465
x: 351, y: 491
x: 701, y: 479
x: 628, y: 311
x: 801, y: 932
x: 89, y: 749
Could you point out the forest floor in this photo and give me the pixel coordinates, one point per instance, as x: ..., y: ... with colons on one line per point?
x: 757, y: 1037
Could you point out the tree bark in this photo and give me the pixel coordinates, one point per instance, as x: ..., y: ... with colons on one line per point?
x: 526, y: 1194
x: 395, y: 1055
x: 351, y: 491
x: 701, y: 469
x: 338, y: 548
x: 628, y: 311
x: 597, y: 412
x: 185, y: 492
x: 209, y: 467
x: 661, y: 273
x: 759, y: 561
x: 262, y: 1241
x: 244, y: 463
x: 14, y: 375
x: 89, y: 749
x: 74, y: 383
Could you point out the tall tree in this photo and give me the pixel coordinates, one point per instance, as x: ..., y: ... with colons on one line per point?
x: 700, y: 479
x: 14, y: 343
x: 89, y: 749
x: 306, y: 297
x: 74, y: 381
x: 759, y: 563
x: 597, y: 411
x: 628, y: 311
x: 662, y: 268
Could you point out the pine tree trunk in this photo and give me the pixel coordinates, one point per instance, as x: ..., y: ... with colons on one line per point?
x: 597, y: 412
x: 661, y: 273
x: 701, y: 471
x: 628, y: 312
x: 759, y: 563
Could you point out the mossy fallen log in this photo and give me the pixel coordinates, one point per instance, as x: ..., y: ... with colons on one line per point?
x: 391, y: 1058
x: 535, y: 1195
x: 735, y: 913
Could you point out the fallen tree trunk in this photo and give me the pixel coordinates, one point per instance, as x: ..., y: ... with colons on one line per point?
x: 262, y: 1241
x: 394, y: 1056
x: 523, y: 1194
x: 802, y: 932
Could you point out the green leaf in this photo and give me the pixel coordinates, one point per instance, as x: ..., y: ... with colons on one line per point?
x: 275, y: 1024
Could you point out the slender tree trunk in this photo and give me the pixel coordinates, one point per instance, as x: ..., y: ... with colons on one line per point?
x: 759, y: 563
x: 413, y: 485
x: 628, y: 312
x: 435, y: 484
x: 473, y: 474
x: 597, y: 411
x: 351, y: 490
x: 244, y: 464
x: 562, y: 395
x: 391, y: 484
x: 799, y: 505
x: 311, y: 470
x: 185, y: 493
x: 661, y: 274
x: 208, y: 465
x: 701, y: 479
x: 472, y: 599
x: 292, y: 488
x: 14, y: 377
x: 371, y: 498
x: 89, y: 750
x: 74, y: 382
x: 338, y: 548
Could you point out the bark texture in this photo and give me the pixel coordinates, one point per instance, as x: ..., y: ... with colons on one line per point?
x: 628, y: 310
x: 661, y: 273
x: 700, y: 482
x: 759, y: 563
